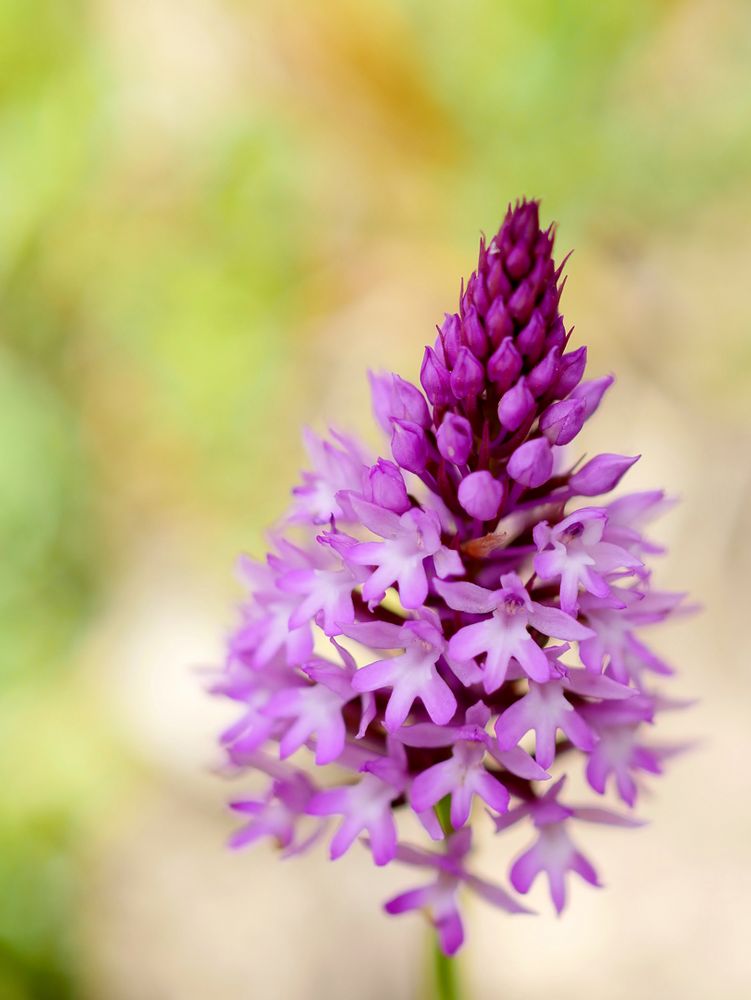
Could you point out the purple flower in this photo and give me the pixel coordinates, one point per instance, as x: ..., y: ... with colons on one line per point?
x: 365, y: 808
x: 440, y: 897
x: 573, y: 551
x: 323, y: 594
x: 336, y: 468
x: 505, y: 635
x: 411, y: 675
x: 462, y: 777
x: 410, y: 539
x: 404, y: 626
x: 620, y: 750
x: 278, y: 813
x: 265, y: 630
x: 554, y: 852
x: 545, y: 709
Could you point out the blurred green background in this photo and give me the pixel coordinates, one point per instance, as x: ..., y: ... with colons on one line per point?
x: 214, y: 215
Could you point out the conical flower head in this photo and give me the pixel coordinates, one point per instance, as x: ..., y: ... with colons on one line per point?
x: 425, y: 613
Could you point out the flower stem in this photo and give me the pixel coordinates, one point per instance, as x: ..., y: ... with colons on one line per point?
x: 445, y: 977
x: 443, y: 812
x: 445, y: 968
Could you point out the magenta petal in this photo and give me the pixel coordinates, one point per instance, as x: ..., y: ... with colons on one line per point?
x: 557, y: 884
x: 512, y: 724
x: 439, y: 701
x: 330, y: 741
x: 556, y: 623
x: 398, y: 707
x: 383, y: 838
x: 448, y: 562
x: 365, y: 553
x: 595, y: 814
x: 381, y: 635
x: 519, y: 762
x: 545, y: 743
x: 413, y: 899
x: 426, y: 734
x: 343, y: 838
x: 597, y: 772
x: 328, y: 802
x: 376, y: 675
x: 532, y: 463
x: 491, y: 791
x: 582, y: 867
x: 471, y: 641
x: 601, y: 474
x: 577, y: 730
x: 467, y: 597
x: 533, y: 660
x: 450, y: 933
x: 597, y: 686
x: 380, y: 521
x: 495, y: 895
x: 461, y: 804
x: 430, y: 786
x: 413, y: 586
x: 525, y: 870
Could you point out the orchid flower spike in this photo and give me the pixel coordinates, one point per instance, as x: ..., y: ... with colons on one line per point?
x: 439, y: 628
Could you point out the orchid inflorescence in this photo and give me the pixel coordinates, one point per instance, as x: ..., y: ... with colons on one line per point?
x: 420, y: 616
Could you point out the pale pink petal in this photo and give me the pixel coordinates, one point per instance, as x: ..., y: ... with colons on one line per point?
x: 461, y: 804
x: 365, y: 553
x: 519, y: 762
x: 413, y: 585
x: 495, y: 895
x: 344, y: 837
x: 467, y: 597
x: 448, y: 562
x: 380, y: 635
x: 399, y: 706
x: 556, y: 623
x: 577, y: 730
x: 380, y: 521
x: 472, y: 640
x: 330, y: 740
x: 533, y: 660
x: 439, y: 700
x: 382, y: 673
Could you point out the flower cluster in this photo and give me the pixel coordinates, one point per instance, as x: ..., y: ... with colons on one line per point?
x: 423, y: 614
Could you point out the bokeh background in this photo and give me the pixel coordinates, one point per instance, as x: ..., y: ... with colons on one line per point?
x: 214, y: 216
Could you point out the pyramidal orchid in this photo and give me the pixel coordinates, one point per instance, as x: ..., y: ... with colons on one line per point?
x: 455, y: 626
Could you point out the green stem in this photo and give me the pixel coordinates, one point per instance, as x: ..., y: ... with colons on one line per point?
x: 445, y: 969
x: 443, y: 812
x: 445, y: 976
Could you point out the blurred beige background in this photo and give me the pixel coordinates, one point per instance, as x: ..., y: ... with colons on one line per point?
x: 214, y: 216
